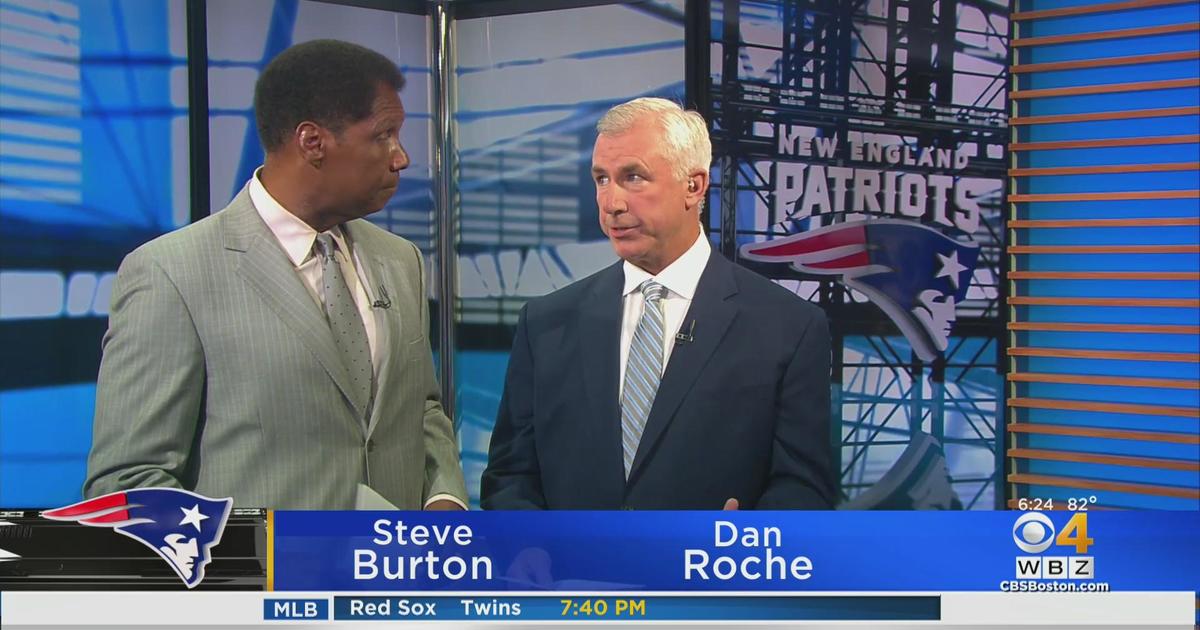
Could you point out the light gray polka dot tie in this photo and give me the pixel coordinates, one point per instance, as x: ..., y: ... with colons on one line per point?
x: 643, y: 371
x: 349, y: 334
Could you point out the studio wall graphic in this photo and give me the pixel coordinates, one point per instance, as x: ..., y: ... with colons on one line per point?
x: 860, y: 162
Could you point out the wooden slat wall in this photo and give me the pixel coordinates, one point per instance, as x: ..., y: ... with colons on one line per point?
x: 1104, y: 253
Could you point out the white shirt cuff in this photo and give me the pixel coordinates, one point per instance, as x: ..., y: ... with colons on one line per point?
x: 448, y: 497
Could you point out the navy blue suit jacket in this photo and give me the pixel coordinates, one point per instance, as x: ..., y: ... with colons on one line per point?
x: 742, y: 410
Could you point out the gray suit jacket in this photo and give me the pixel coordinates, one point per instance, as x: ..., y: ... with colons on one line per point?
x: 220, y: 375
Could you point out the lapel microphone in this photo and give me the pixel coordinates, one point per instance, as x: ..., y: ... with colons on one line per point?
x: 383, y: 301
x: 686, y: 337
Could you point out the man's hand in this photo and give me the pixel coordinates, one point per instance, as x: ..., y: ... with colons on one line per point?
x: 730, y: 504
x: 443, y: 505
x: 531, y: 567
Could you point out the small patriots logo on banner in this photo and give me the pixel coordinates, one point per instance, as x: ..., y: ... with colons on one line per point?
x: 180, y: 526
x: 914, y: 273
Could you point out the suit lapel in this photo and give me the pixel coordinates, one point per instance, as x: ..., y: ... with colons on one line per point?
x: 599, y: 335
x: 712, y: 312
x: 388, y: 333
x: 266, y: 268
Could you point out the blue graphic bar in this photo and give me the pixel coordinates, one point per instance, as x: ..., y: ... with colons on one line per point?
x: 840, y: 551
x: 294, y: 609
x: 652, y: 608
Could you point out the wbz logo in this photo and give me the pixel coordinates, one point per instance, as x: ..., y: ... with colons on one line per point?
x: 1034, y: 533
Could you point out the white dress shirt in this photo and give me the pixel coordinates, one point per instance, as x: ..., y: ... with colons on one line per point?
x: 297, y: 238
x: 680, y: 278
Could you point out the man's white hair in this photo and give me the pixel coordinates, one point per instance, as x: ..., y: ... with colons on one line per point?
x: 685, y: 134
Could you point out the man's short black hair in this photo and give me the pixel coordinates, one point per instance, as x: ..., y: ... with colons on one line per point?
x: 329, y: 82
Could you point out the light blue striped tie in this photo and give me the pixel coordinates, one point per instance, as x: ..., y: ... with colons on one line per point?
x: 643, y: 371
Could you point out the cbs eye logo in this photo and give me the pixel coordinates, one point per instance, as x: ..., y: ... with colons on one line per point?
x: 1034, y: 532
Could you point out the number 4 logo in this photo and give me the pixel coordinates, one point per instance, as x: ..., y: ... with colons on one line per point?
x: 1075, y: 533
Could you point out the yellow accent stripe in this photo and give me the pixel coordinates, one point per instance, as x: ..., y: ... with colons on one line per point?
x: 270, y: 550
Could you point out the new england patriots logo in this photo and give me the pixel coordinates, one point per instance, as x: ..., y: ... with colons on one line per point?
x: 180, y: 526
x: 913, y: 272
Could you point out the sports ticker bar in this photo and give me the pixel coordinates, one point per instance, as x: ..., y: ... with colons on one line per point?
x: 639, y: 607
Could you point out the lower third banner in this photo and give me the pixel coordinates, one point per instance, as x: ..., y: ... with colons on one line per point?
x: 735, y: 551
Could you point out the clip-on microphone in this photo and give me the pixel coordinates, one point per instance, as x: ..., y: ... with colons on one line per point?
x: 686, y: 337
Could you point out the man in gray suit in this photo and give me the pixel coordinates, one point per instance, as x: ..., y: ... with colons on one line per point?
x: 277, y: 351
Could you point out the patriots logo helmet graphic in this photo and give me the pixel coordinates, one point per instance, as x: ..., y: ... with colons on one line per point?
x: 180, y: 526
x: 912, y: 272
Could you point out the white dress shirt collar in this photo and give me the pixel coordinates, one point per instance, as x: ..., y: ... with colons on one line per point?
x: 679, y: 277
x: 294, y: 235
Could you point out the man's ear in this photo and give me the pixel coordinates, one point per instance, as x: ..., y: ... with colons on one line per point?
x: 697, y: 189
x: 310, y: 139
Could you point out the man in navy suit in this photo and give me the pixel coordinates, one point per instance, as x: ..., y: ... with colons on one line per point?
x: 673, y: 379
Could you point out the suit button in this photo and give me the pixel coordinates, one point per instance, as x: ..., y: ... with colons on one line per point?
x: 370, y: 446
